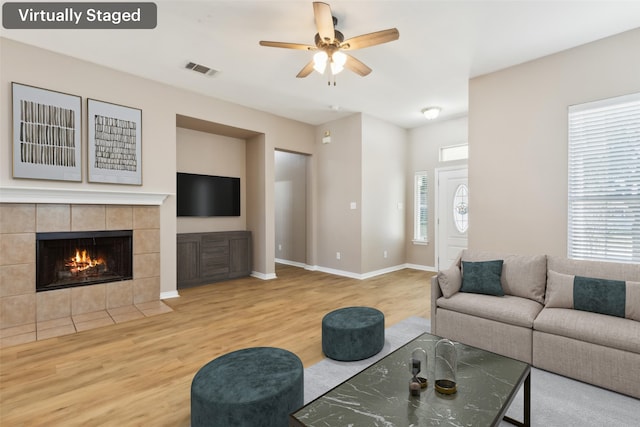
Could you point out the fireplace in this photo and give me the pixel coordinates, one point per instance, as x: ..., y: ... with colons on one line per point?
x: 70, y: 259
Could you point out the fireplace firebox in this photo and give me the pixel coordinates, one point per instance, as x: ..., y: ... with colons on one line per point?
x: 69, y: 259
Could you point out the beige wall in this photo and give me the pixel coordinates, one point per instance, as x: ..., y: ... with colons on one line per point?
x: 363, y: 165
x: 424, y: 148
x: 339, y: 182
x: 159, y: 104
x: 384, y: 149
x: 210, y: 154
x: 518, y: 141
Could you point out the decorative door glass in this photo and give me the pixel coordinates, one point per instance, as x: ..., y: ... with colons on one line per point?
x: 461, y: 208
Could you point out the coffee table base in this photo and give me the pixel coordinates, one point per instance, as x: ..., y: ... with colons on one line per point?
x: 527, y: 406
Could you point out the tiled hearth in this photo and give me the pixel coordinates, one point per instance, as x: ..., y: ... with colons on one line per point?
x: 28, y: 316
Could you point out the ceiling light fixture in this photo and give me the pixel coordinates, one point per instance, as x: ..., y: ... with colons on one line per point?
x: 431, y: 113
x: 320, y: 61
x: 336, y: 61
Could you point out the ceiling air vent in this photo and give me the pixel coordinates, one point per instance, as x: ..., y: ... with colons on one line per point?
x: 202, y: 69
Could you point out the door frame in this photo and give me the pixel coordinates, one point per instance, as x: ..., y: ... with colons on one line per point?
x: 436, y: 206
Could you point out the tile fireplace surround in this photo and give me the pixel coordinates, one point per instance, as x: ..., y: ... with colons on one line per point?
x: 29, y: 316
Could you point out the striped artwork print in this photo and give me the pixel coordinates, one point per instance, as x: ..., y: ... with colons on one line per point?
x: 47, y: 134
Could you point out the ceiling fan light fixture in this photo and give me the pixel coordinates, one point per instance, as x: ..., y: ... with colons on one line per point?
x: 328, y: 43
x: 320, y: 61
x: 338, y: 59
x: 431, y: 113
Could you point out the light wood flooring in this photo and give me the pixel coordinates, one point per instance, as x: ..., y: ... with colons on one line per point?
x: 139, y: 373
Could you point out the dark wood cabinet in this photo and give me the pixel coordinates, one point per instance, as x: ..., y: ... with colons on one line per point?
x: 211, y: 257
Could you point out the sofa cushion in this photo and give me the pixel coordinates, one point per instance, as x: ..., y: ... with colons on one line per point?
x: 595, y: 328
x: 522, y: 275
x: 508, y: 309
x: 612, y: 297
x: 450, y: 280
x: 482, y: 277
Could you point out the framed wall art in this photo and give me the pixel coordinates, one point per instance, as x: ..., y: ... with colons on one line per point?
x: 115, y: 143
x: 46, y: 134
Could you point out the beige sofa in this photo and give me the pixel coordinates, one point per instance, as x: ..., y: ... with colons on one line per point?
x: 535, y: 320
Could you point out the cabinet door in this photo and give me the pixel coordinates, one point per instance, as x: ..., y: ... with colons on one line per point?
x: 239, y: 257
x: 188, y: 262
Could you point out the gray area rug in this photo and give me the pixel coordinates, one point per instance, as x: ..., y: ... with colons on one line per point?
x: 555, y: 400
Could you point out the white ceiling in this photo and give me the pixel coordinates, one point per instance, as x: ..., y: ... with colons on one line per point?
x: 442, y: 44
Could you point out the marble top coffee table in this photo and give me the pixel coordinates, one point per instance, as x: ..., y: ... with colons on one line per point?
x: 379, y: 395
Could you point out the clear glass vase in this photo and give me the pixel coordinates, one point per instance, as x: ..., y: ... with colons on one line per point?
x: 446, y: 366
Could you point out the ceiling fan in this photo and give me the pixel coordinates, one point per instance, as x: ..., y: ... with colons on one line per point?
x: 331, y: 45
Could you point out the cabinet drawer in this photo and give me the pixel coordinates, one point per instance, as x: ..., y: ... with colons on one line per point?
x: 214, y: 261
x: 212, y: 242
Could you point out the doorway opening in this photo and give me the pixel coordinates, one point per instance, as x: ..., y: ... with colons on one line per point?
x: 291, y: 199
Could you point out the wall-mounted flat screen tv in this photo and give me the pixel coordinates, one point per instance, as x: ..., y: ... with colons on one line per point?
x: 207, y: 195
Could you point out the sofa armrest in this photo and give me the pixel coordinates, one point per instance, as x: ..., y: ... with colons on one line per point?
x: 436, y: 293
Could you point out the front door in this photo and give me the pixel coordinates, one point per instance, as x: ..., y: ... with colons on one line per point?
x: 452, y: 221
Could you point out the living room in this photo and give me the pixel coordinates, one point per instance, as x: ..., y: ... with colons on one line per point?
x: 516, y: 128
x: 532, y: 96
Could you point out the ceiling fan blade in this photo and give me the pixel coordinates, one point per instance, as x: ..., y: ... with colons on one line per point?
x: 287, y: 45
x: 324, y: 21
x: 370, y: 39
x: 306, y: 70
x: 356, y: 66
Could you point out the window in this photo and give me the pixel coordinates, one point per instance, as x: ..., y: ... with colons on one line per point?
x: 454, y: 152
x: 421, y: 211
x: 461, y: 208
x: 604, y: 180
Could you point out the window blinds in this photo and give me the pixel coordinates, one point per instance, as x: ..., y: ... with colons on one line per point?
x: 604, y: 180
x: 421, y: 214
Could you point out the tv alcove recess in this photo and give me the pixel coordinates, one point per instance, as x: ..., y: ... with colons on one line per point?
x: 211, y: 257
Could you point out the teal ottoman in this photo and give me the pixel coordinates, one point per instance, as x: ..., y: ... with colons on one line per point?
x: 253, y: 387
x: 352, y: 333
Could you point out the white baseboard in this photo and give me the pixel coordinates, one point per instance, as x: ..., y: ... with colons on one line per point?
x: 338, y: 272
x: 380, y: 272
x: 170, y: 294
x: 292, y: 263
x: 351, y: 274
x: 422, y: 267
x: 263, y: 276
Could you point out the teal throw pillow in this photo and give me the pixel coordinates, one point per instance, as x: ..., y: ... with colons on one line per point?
x: 482, y: 277
x: 599, y: 295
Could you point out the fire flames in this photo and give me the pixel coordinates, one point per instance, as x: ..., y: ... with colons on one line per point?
x: 83, y: 262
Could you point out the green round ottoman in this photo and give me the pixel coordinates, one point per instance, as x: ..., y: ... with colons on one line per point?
x: 253, y: 387
x: 352, y: 333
